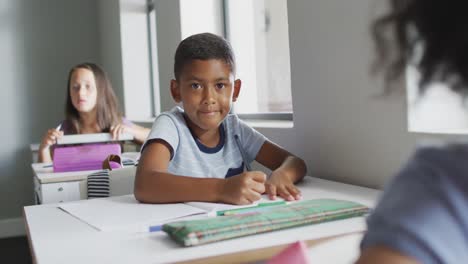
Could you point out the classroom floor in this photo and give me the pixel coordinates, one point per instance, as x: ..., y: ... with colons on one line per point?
x: 15, y: 250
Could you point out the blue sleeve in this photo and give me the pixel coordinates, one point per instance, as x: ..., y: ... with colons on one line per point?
x: 420, y: 212
x: 251, y: 140
x: 165, y: 129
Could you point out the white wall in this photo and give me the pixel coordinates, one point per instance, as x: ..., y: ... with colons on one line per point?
x: 110, y: 46
x: 346, y: 134
x: 169, y: 35
x: 39, y: 42
x: 340, y: 129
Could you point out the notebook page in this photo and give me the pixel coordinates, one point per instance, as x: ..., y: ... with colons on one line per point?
x: 125, y: 213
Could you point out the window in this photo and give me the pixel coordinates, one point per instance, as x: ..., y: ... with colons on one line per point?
x: 126, y: 53
x: 259, y: 39
x: 261, y: 45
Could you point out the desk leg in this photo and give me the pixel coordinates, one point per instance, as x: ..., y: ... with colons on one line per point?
x: 37, y: 192
x: 28, y: 234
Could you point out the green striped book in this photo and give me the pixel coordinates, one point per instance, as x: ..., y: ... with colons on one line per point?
x: 198, y: 232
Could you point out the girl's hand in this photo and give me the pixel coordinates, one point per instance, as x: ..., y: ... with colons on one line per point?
x: 119, y: 129
x: 244, y: 188
x: 50, y: 138
x: 279, y: 184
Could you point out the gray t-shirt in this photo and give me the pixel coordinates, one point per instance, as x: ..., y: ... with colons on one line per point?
x: 423, y: 212
x: 189, y: 157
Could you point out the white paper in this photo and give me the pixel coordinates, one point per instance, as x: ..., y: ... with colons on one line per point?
x: 91, y: 138
x: 347, y: 244
x: 125, y: 213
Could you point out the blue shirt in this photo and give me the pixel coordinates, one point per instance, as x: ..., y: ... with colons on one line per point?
x: 423, y: 212
x: 189, y: 157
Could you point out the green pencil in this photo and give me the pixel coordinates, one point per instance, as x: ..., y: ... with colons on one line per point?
x: 248, y: 209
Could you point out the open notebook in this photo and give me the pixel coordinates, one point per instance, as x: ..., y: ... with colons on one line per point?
x: 86, y: 151
x: 125, y: 213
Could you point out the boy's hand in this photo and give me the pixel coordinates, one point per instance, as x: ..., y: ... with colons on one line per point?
x: 244, y: 188
x: 279, y: 184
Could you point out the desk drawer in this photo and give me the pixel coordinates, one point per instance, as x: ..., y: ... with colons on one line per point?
x: 60, y: 192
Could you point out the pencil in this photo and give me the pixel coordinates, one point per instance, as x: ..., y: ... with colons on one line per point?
x: 258, y: 207
x: 155, y: 228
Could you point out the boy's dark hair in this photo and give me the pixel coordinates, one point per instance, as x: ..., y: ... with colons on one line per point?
x: 107, y: 106
x: 440, y: 27
x: 204, y: 46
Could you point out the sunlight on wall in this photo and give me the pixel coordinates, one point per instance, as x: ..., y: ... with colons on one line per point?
x: 437, y: 110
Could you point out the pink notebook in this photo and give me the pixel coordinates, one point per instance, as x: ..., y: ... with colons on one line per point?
x: 294, y: 253
x: 84, y: 157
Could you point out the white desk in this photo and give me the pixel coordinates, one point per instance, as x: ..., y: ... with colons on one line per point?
x: 57, y: 187
x: 57, y: 237
x: 50, y: 187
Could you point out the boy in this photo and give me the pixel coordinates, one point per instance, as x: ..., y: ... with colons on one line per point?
x: 199, y: 153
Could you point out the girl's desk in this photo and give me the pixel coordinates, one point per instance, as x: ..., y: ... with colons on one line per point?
x: 58, y: 237
x: 50, y: 187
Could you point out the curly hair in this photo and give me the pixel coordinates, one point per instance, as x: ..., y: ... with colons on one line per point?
x: 203, y: 46
x: 438, y: 28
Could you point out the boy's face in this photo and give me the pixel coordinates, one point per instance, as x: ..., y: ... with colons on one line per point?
x: 206, y: 89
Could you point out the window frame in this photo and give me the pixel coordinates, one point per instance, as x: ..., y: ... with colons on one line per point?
x: 275, y: 116
x: 278, y: 116
x: 157, y: 96
x: 155, y: 92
